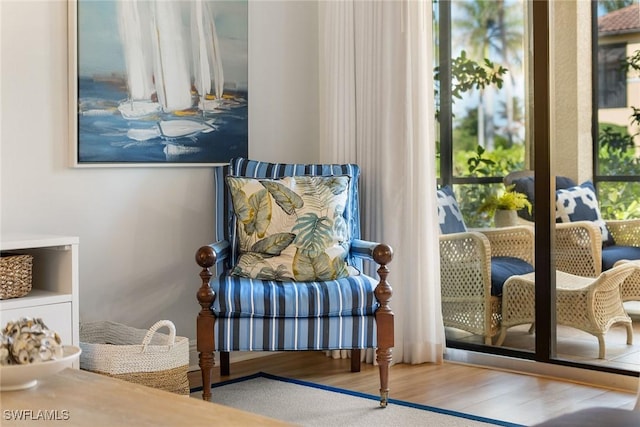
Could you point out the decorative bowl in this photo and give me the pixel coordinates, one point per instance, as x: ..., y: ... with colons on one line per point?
x: 19, y: 377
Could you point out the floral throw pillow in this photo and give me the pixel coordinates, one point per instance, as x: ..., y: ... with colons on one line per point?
x: 291, y: 228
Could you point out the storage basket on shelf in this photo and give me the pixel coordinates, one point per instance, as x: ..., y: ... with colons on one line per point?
x: 15, y: 275
x: 136, y: 355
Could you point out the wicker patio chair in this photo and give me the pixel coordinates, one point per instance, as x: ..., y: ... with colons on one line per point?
x: 473, y: 267
x: 579, y: 250
x: 590, y: 304
x: 579, y: 245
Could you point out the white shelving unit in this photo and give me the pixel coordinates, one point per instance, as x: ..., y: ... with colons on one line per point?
x: 54, y: 293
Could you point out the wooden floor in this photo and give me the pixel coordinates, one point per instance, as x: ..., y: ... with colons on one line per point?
x: 506, y: 396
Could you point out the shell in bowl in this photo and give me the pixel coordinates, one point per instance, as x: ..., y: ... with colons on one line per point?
x: 19, y: 377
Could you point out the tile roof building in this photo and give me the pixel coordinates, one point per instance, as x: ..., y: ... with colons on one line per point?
x: 626, y: 20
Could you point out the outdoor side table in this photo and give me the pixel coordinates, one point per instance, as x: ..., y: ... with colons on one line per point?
x: 590, y: 304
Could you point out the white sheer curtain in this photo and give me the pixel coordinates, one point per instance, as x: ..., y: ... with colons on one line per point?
x: 376, y: 109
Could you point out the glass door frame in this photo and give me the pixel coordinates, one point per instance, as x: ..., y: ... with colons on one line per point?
x: 542, y: 153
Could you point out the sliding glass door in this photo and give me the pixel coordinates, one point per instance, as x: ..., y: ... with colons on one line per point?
x: 517, y: 96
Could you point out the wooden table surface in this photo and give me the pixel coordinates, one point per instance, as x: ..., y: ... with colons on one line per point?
x: 79, y: 398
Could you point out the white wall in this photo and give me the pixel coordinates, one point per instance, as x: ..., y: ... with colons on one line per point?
x: 139, y: 228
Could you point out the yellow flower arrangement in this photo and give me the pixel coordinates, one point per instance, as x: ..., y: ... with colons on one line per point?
x: 507, y: 200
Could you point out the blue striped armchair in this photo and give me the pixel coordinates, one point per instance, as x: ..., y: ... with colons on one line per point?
x: 269, y: 294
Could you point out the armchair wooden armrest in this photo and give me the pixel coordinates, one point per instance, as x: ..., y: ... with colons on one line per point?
x: 363, y: 248
x: 209, y: 255
x: 221, y: 249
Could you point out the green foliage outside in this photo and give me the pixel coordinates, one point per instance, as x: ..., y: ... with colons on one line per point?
x: 469, y: 158
x: 469, y: 75
x: 618, y: 200
x: 616, y: 151
x: 480, y: 163
x: 617, y: 154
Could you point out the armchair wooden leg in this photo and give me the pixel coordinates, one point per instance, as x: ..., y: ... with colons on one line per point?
x: 206, y: 365
x: 205, y: 349
x: 383, y: 254
x: 355, y: 360
x: 383, y: 357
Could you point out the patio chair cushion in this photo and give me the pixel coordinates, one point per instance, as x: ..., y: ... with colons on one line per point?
x: 615, y: 253
x: 580, y: 203
x: 526, y: 185
x: 449, y: 215
x: 503, y: 267
x: 291, y: 228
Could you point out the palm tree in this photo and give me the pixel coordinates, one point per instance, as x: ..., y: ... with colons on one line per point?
x: 512, y: 43
x: 490, y: 28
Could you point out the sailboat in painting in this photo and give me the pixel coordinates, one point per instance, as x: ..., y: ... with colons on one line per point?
x: 174, y: 68
x: 207, y: 61
x: 171, y: 72
x: 151, y: 83
x: 135, y: 33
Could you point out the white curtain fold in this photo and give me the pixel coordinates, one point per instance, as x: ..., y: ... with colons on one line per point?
x: 376, y: 109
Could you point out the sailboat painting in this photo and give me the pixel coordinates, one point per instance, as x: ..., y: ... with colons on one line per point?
x: 161, y: 82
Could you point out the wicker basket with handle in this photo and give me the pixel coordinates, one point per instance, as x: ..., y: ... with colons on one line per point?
x: 136, y: 355
x: 15, y: 275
